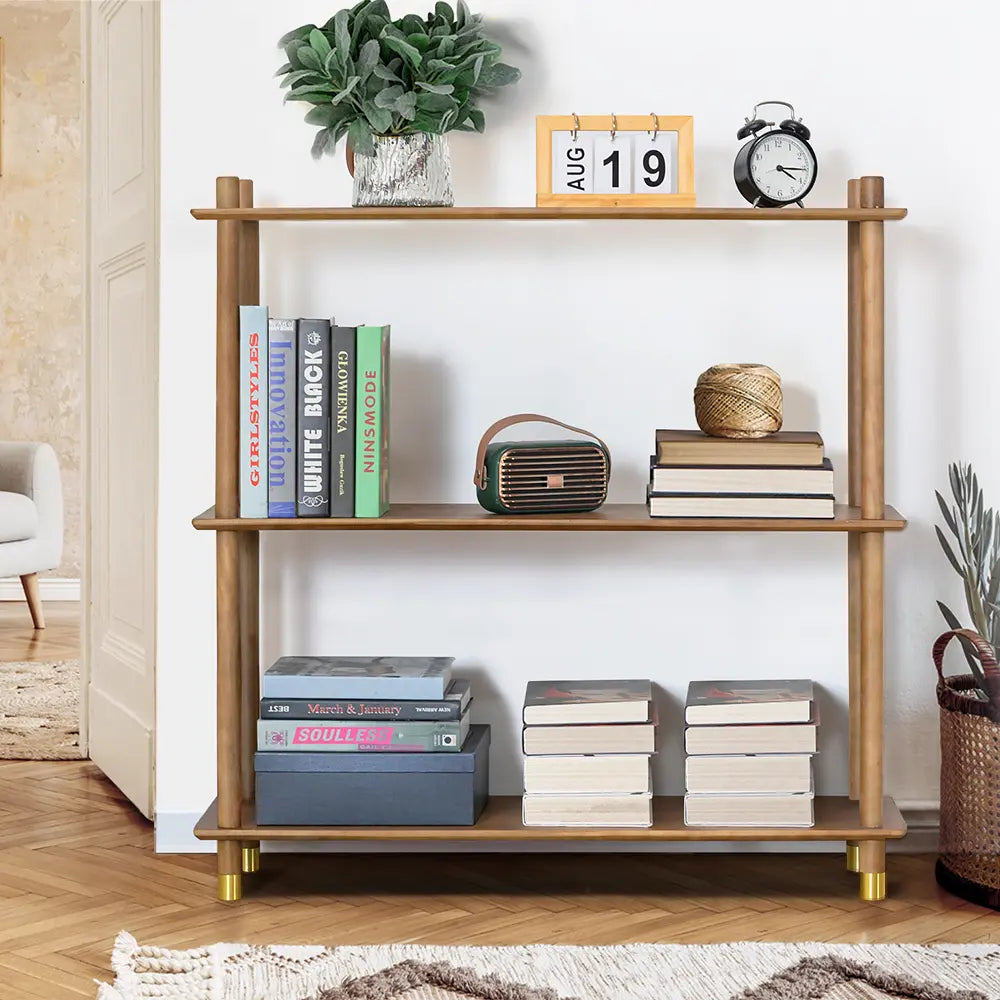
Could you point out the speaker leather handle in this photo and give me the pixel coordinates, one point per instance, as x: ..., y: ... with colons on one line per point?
x: 522, y: 418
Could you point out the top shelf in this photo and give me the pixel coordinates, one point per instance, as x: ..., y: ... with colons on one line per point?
x: 527, y: 214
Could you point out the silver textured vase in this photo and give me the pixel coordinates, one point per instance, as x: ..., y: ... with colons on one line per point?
x: 405, y: 170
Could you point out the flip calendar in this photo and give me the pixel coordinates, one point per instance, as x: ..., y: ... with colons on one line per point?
x: 640, y: 160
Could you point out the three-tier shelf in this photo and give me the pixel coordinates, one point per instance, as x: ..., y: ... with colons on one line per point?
x: 864, y: 819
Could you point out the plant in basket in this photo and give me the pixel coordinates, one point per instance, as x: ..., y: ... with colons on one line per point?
x: 969, y: 860
x: 394, y: 88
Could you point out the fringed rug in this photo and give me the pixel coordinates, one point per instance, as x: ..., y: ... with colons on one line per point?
x: 742, y: 971
x: 40, y: 710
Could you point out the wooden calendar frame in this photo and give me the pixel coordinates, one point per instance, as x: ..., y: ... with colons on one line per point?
x: 683, y: 125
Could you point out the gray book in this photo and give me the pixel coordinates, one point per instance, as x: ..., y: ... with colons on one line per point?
x: 344, y: 343
x: 281, y: 417
x: 414, y: 678
x: 314, y: 374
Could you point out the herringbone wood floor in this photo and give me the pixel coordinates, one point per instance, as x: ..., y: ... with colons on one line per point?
x: 77, y: 865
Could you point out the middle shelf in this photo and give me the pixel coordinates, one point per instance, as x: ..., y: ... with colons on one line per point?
x: 610, y: 517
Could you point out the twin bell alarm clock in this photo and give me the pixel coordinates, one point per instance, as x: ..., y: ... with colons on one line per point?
x: 776, y: 166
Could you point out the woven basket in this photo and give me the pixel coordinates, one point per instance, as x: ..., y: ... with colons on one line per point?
x: 738, y: 401
x: 969, y: 861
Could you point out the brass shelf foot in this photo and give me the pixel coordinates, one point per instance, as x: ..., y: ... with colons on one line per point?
x: 853, y: 857
x: 872, y: 886
x: 230, y: 888
x: 250, y: 860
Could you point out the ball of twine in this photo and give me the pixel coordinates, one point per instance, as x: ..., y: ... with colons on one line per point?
x: 738, y: 401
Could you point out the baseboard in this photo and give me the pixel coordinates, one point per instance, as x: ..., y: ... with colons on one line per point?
x: 174, y: 836
x: 52, y: 588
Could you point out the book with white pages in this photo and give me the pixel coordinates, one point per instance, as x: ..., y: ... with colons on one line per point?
x: 771, y: 480
x: 734, y: 702
x: 756, y: 739
x: 587, y: 810
x: 619, y: 774
x: 780, y: 810
x: 774, y: 773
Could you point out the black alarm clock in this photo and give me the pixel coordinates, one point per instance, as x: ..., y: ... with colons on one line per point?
x: 776, y: 167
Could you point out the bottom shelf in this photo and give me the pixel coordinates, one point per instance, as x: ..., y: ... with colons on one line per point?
x: 836, y: 819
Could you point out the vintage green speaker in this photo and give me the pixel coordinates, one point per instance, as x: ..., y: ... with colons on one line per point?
x: 541, y: 477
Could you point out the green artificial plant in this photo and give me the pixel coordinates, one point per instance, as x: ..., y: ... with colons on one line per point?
x: 368, y: 75
x: 975, y: 556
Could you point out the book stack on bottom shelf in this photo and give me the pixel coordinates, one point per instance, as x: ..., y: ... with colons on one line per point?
x: 587, y: 747
x: 781, y: 475
x: 368, y: 741
x: 749, y: 748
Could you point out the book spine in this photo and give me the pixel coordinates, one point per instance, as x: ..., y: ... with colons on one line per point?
x: 408, y: 737
x: 356, y: 709
x: 371, y: 490
x: 253, y: 411
x: 281, y: 410
x: 342, y: 442
x: 313, y: 479
x: 291, y: 686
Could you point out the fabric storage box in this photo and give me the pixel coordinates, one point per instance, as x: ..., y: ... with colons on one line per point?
x: 374, y: 789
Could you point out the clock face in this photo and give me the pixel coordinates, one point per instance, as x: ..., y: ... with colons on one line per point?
x: 782, y: 167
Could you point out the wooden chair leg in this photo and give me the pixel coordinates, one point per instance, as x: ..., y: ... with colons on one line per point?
x: 30, y: 584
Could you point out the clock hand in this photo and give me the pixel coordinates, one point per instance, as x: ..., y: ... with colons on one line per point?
x: 785, y: 170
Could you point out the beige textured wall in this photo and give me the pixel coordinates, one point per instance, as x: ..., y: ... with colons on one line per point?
x: 41, y: 240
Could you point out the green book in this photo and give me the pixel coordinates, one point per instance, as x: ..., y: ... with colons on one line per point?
x: 371, y: 478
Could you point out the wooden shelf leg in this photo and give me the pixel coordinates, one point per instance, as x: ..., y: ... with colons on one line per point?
x: 249, y: 567
x: 871, y: 853
x: 249, y: 560
x: 230, y: 878
x: 853, y: 858
x: 227, y: 545
x: 854, y: 487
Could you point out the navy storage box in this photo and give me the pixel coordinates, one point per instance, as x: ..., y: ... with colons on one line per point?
x: 374, y: 789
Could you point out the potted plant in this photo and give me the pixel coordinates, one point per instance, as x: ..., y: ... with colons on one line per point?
x: 394, y: 88
x: 969, y: 860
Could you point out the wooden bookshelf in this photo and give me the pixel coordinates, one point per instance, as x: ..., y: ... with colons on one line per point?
x: 836, y: 819
x: 610, y: 517
x: 864, y: 819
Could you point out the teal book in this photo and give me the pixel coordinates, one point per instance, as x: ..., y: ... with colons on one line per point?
x: 253, y: 411
x: 371, y: 463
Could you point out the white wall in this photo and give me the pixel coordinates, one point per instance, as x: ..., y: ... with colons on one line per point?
x: 603, y: 325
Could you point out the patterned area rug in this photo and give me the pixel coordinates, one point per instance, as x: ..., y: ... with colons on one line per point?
x: 741, y: 971
x: 40, y: 710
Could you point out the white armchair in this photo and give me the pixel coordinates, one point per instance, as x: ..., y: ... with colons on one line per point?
x: 31, y: 516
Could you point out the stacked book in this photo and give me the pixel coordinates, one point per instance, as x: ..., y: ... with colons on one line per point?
x: 363, y: 704
x: 782, y: 475
x: 587, y: 747
x: 314, y: 417
x: 368, y: 741
x: 749, y: 753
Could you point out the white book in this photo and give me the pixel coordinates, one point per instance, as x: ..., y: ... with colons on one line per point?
x: 626, y: 738
x: 587, y: 810
x: 734, y: 702
x: 619, y: 774
x: 790, y: 738
x: 694, y: 505
x: 749, y: 810
x: 769, y: 480
x: 782, y: 772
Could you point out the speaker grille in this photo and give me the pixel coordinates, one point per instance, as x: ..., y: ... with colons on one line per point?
x: 553, y: 479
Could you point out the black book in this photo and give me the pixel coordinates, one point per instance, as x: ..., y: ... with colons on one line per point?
x: 344, y: 340
x: 451, y: 708
x: 312, y: 485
